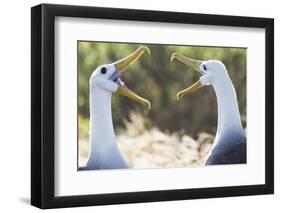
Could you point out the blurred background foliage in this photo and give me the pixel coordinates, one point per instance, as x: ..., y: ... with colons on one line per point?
x: 154, y: 77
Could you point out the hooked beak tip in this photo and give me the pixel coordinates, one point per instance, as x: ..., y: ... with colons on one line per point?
x: 148, y: 105
x: 179, y: 96
x: 173, y: 56
x: 145, y: 49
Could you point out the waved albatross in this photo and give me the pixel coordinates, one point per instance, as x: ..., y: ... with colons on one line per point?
x: 229, y: 146
x: 105, y: 80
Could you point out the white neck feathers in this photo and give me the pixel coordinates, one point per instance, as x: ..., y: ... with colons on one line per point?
x: 228, y: 111
x: 102, y: 135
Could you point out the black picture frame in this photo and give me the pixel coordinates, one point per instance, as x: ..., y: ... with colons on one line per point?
x: 43, y: 102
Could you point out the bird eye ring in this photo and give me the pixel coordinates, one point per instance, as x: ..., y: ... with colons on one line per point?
x: 103, y: 70
x: 204, y: 67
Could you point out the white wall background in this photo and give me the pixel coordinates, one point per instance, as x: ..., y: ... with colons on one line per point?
x: 15, y: 105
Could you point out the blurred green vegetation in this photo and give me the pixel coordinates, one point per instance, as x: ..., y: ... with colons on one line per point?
x: 154, y: 77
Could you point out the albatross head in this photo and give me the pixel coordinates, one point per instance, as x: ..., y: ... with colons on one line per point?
x: 212, y: 71
x: 107, y: 77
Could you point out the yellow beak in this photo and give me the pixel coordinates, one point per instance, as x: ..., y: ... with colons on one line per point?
x: 190, y: 89
x: 130, y: 94
x: 195, y: 64
x: 122, y: 65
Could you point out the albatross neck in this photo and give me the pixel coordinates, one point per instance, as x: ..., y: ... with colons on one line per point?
x: 228, y: 111
x: 102, y: 135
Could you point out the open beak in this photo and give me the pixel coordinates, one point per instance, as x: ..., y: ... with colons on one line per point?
x: 121, y: 66
x: 195, y: 64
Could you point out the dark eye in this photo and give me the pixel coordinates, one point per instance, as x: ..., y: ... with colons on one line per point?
x: 103, y: 70
x: 204, y: 67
